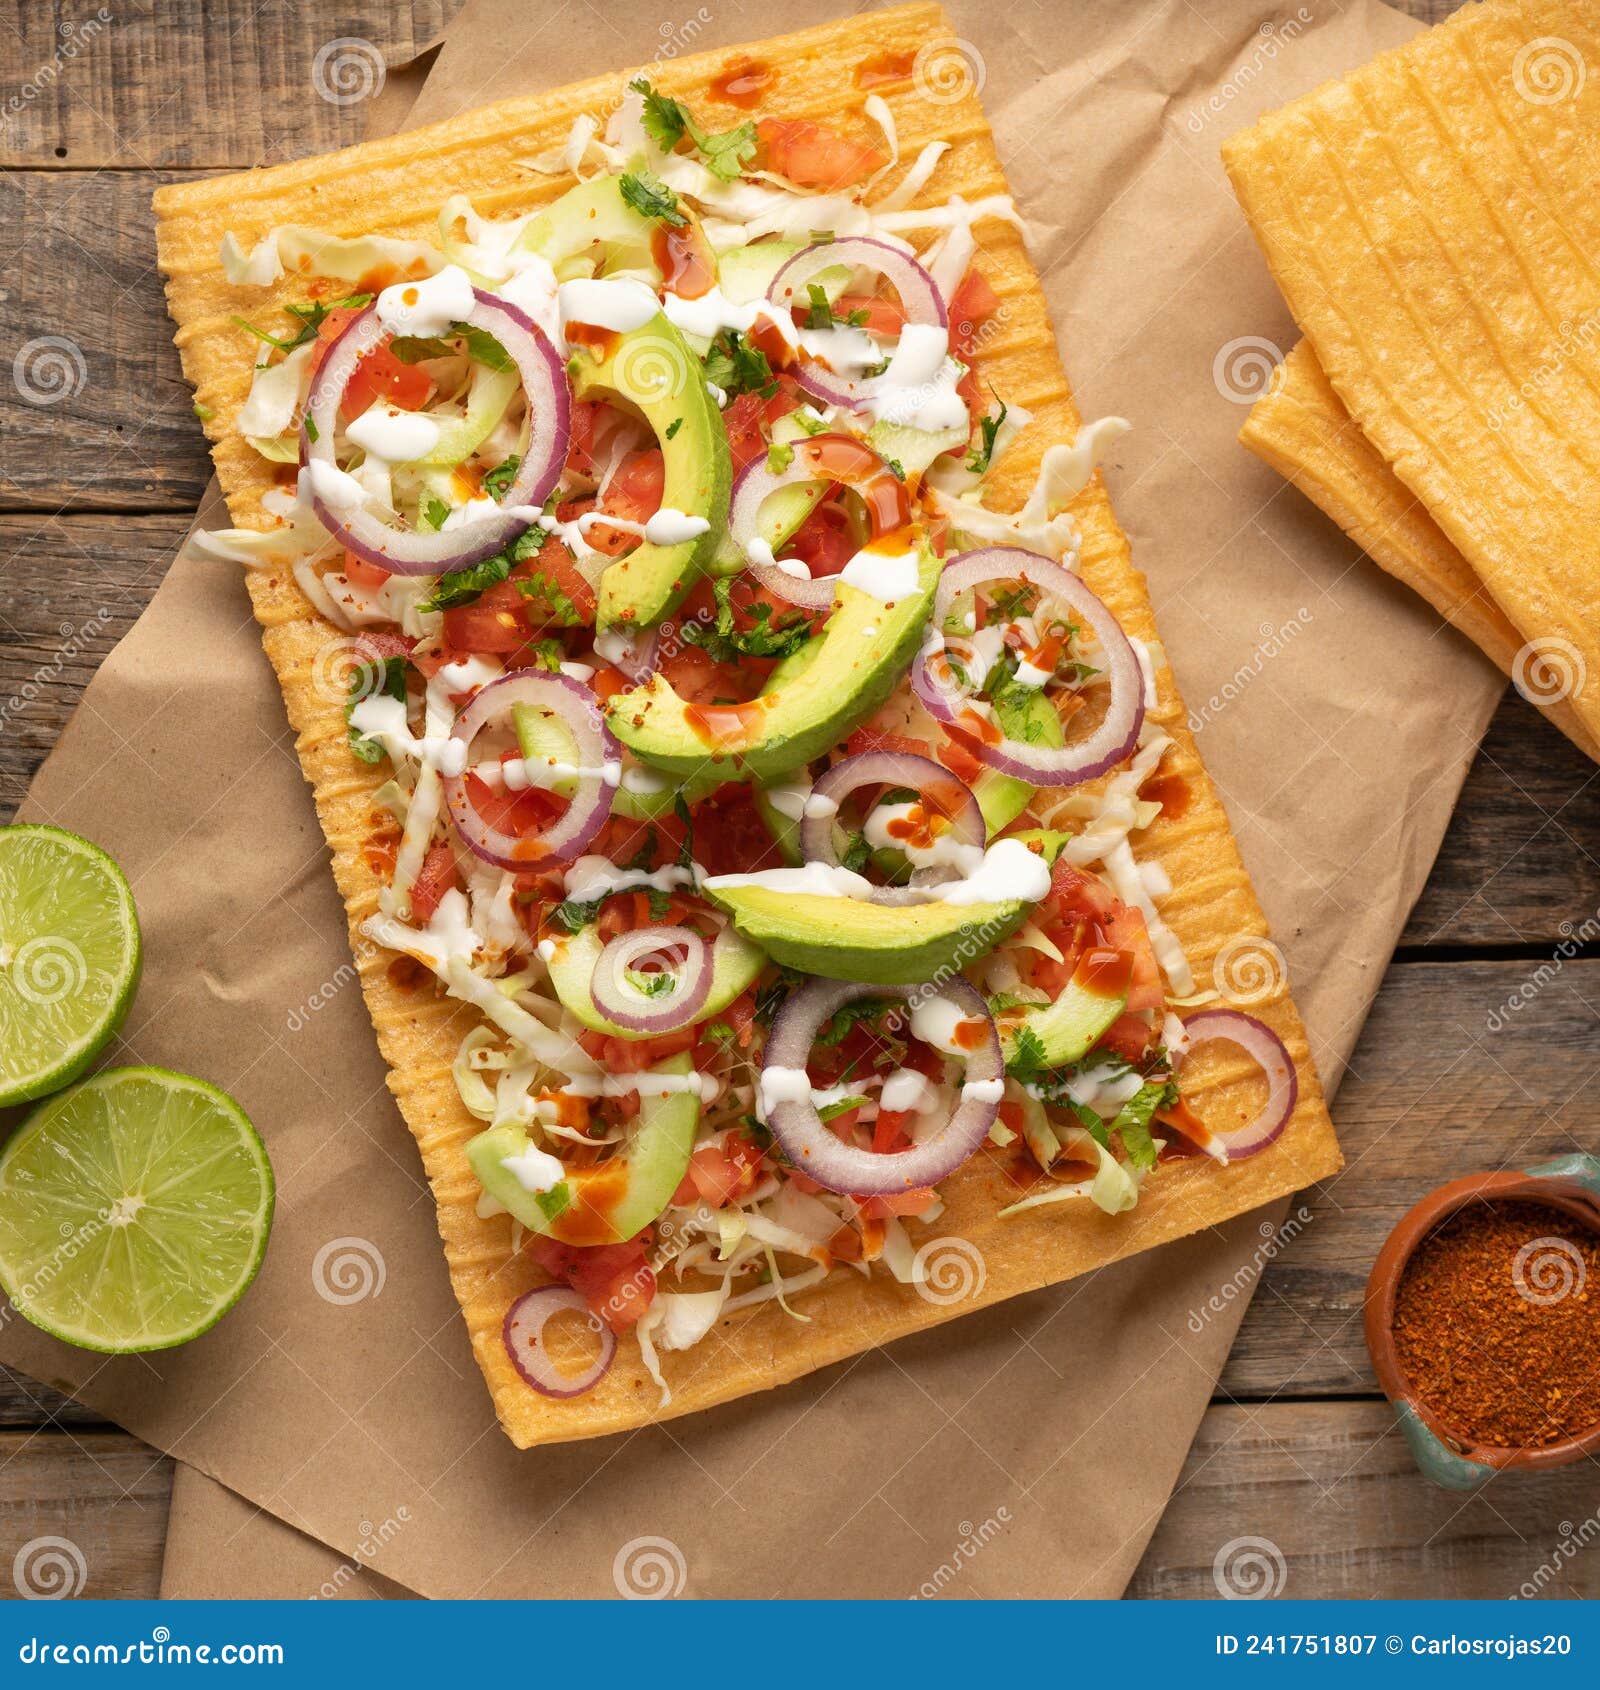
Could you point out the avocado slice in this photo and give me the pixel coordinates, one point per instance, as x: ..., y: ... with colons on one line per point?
x: 616, y: 1199
x: 651, y: 370
x: 593, y: 213
x: 1066, y: 1029
x: 803, y: 710
x: 735, y: 963
x: 875, y: 944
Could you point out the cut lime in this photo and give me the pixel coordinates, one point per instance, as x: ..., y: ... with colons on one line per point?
x: 134, y: 1210
x: 69, y: 957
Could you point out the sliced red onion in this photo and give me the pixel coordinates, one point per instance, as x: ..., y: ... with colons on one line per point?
x: 523, y: 1333
x: 618, y: 1001
x: 920, y: 299
x: 819, y: 1153
x: 1256, y: 1040
x: 930, y: 780
x: 409, y: 551
x: 1043, y: 765
x: 824, y: 457
x: 594, y: 748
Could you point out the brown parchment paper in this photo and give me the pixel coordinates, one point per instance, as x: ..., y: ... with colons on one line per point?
x: 1026, y: 1451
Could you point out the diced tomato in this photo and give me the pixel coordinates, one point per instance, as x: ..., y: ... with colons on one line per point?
x: 883, y: 316
x: 523, y: 814
x: 585, y: 416
x: 379, y: 375
x: 1125, y: 931
x: 899, y: 1203
x: 624, y: 837
x: 364, y: 574
x: 740, y: 1015
x: 959, y: 759
x: 634, y: 494
x: 730, y: 836
x: 869, y: 738
x: 812, y: 156
x: 613, y: 1279
x: 382, y: 643
x: 496, y: 623
x: 974, y: 300
x: 633, y: 1056
x: 749, y: 421
x: 436, y: 877
x: 722, y: 1171
x: 1076, y: 896
x: 825, y: 542
x: 1128, y: 1037
x: 891, y: 1130
x: 608, y: 682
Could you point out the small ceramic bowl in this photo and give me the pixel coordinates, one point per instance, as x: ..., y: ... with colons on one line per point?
x: 1570, y: 1184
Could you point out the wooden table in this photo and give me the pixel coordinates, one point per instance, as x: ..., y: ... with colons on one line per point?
x: 1296, y: 1447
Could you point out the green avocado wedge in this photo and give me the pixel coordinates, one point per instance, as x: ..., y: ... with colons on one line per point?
x: 875, y: 944
x: 1062, y: 1032
x: 593, y: 214
x: 735, y: 963
x: 614, y: 1200
x: 805, y: 708
x: 1002, y: 798
x: 652, y: 371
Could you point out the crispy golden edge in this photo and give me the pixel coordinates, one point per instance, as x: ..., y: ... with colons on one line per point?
x: 1432, y: 224
x: 1302, y: 430
x: 393, y: 187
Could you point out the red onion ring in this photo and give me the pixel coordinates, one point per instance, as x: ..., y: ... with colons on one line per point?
x: 1256, y: 1040
x: 1118, y: 732
x: 523, y: 1334
x: 923, y: 776
x: 620, y: 1002
x: 579, y: 711
x: 825, y: 1157
x: 408, y: 551
x: 919, y: 298
x: 824, y: 457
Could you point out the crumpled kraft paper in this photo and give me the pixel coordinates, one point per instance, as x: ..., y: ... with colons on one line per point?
x: 1026, y: 1451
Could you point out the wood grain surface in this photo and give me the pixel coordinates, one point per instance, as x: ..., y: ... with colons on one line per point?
x: 96, y: 489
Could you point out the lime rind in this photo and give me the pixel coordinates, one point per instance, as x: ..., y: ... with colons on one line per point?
x: 70, y: 954
x: 134, y: 1210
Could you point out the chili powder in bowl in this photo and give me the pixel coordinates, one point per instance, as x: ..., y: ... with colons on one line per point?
x: 1483, y: 1321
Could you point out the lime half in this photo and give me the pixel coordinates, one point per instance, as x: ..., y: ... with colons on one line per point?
x: 69, y: 957
x: 134, y: 1210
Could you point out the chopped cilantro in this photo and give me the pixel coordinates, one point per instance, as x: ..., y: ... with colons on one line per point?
x: 543, y: 589
x: 649, y: 985
x: 666, y: 121
x: 827, y: 1111
x: 479, y: 343
x: 548, y: 655
x: 1028, y: 1056
x: 765, y: 638
x: 313, y: 433
x: 821, y: 315
x: 719, y: 1030
x: 502, y: 475
x: 385, y: 677
x: 660, y: 903
x: 575, y: 915
x: 896, y: 468
x: 432, y: 512
x: 1134, y: 1117
x: 1013, y: 602
x: 736, y: 366
x: 651, y: 197
x: 308, y: 319
x: 462, y: 586
x: 847, y: 1016
x: 672, y: 428
x: 857, y: 854
x: 983, y: 455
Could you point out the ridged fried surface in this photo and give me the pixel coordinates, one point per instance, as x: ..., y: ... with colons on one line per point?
x: 395, y: 187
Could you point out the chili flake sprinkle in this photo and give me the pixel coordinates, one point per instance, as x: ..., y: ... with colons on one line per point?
x: 1497, y: 1325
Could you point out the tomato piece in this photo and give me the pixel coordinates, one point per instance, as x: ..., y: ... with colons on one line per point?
x: 1126, y: 931
x: 898, y: 1203
x: 364, y: 574
x: 730, y: 837
x: 891, y: 1130
x: 749, y: 421
x: 436, y: 877
x: 812, y: 156
x: 883, y: 316
x: 1076, y: 896
x: 489, y: 626
x: 633, y: 493
x: 1128, y: 1037
x: 871, y: 739
x: 615, y: 1280
x: 722, y: 1171
x: 825, y: 542
x: 585, y: 416
x: 740, y: 1015
x: 974, y: 301
x: 522, y: 814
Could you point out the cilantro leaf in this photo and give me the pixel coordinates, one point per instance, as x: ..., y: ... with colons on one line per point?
x: 557, y: 605
x: 649, y: 985
x: 983, y: 455
x: 385, y: 677
x: 480, y: 345
x: 556, y: 1201
x: 432, y: 512
x: 463, y: 586
x: 827, y: 1111
x: 651, y: 197
x: 1134, y: 1117
x: 765, y: 638
x: 736, y: 366
x: 1028, y: 1059
x: 666, y: 121
x: 847, y: 1015
x: 857, y: 854
x: 575, y: 915
x: 680, y: 808
x: 308, y: 318
x: 497, y: 480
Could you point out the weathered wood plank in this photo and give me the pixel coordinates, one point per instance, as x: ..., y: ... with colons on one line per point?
x: 1322, y: 1500
x: 104, y: 1493
x: 1446, y: 1079
x: 98, y: 416
x: 152, y: 84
